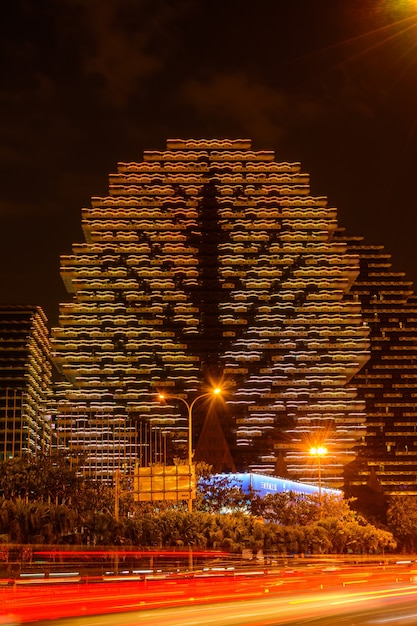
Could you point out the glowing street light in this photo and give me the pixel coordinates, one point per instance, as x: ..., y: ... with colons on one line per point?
x: 213, y: 392
x: 318, y: 452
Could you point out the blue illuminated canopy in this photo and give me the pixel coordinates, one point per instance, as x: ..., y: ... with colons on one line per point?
x: 264, y: 485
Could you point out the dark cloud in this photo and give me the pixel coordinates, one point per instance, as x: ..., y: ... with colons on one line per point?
x: 126, y: 43
x: 264, y: 112
x: 117, y: 55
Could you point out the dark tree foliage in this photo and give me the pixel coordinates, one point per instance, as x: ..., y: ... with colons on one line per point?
x: 43, y: 479
x: 402, y: 521
x: 44, y: 501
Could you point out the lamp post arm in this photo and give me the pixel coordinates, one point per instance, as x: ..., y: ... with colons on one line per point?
x: 190, y: 407
x: 203, y: 395
x: 190, y: 425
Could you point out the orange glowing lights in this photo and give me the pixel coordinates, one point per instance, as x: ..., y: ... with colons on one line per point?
x: 318, y: 451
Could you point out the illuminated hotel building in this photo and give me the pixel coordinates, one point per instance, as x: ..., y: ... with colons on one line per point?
x: 25, y: 381
x: 211, y: 260
x: 388, y: 382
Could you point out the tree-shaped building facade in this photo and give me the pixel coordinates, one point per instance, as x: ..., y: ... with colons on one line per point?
x: 211, y: 260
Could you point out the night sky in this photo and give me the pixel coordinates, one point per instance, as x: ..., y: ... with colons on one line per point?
x: 87, y: 83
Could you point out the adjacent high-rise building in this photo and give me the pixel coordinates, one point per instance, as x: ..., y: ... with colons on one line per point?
x: 388, y: 382
x: 25, y: 381
x: 211, y: 262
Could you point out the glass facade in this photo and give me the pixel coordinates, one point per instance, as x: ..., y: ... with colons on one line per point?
x: 25, y: 381
x: 388, y: 382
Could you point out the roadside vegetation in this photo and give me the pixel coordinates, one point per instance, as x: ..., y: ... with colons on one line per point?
x: 43, y: 501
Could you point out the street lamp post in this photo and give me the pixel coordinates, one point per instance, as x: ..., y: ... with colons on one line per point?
x: 318, y: 452
x: 214, y: 392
